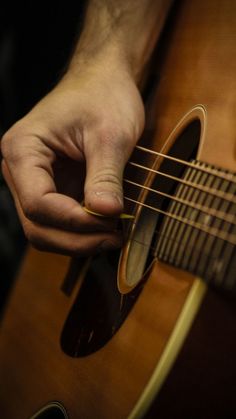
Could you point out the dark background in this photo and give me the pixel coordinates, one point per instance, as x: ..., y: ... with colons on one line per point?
x: 35, y: 45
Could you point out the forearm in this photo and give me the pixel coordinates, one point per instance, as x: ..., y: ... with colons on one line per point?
x: 123, y: 30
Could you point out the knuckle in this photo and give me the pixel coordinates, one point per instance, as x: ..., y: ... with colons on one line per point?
x: 34, y: 237
x: 9, y: 147
x: 107, y: 176
x: 11, y: 142
x: 5, y: 145
x: 112, y: 136
x: 115, y: 143
x: 82, y: 248
x: 30, y: 232
x: 107, y: 245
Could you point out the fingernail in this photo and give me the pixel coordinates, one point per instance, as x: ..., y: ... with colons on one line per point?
x: 105, y: 195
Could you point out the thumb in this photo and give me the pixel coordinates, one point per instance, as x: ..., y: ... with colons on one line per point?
x: 105, y: 161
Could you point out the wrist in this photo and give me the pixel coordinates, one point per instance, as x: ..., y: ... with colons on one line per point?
x: 121, y: 32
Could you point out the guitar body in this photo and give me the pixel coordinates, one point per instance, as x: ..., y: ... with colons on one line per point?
x: 102, y: 353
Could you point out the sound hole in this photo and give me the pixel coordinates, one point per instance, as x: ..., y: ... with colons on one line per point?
x: 146, y: 234
x: 51, y: 411
x: 100, y: 309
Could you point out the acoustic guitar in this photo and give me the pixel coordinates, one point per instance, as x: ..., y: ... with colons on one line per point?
x: 148, y: 331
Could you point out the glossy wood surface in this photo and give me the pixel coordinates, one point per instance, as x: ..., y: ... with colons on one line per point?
x: 198, y: 66
x: 34, y: 369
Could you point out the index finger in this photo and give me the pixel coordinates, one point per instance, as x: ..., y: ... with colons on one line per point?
x: 28, y: 164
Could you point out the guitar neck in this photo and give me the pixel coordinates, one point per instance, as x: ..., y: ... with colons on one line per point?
x: 198, y: 234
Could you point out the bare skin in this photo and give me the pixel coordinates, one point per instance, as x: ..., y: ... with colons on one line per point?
x: 74, y: 144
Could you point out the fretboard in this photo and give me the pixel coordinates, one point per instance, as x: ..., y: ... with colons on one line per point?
x: 201, y: 236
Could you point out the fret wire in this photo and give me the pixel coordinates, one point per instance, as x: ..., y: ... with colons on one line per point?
x: 160, y: 234
x: 215, y: 247
x: 214, y: 171
x: 200, y: 262
x: 231, y: 238
x: 211, y: 211
x: 179, y: 243
x: 191, y: 258
x: 201, y: 253
x: 190, y: 193
x: 219, y: 194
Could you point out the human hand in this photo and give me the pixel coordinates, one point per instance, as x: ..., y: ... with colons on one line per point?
x: 73, y: 146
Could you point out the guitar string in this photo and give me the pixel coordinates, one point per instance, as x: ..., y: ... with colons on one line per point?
x: 230, y: 238
x: 216, y: 172
x: 171, y: 239
x: 211, y: 211
x: 218, y: 194
x: 201, y: 252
